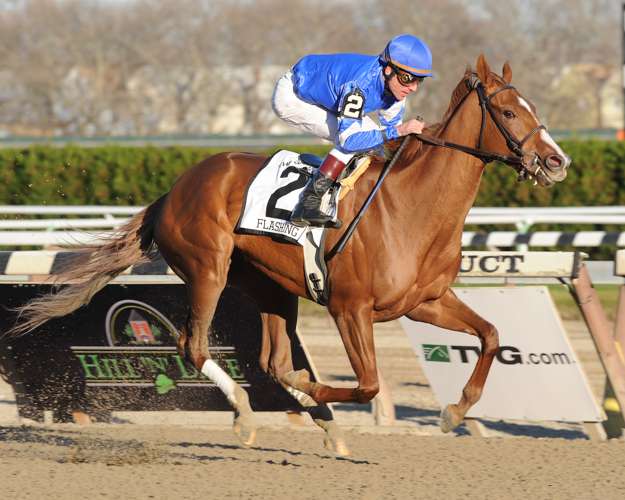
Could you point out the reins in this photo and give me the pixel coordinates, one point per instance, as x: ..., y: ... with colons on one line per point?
x: 512, y: 142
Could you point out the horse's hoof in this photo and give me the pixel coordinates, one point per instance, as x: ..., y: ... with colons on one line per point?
x: 334, y: 440
x: 297, y: 379
x: 245, y: 427
x: 289, y: 378
x: 244, y: 423
x: 245, y: 435
x: 337, y: 447
x: 447, y: 421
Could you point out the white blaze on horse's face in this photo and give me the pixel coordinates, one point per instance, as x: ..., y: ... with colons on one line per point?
x: 544, y: 135
x: 556, y: 163
x: 525, y: 104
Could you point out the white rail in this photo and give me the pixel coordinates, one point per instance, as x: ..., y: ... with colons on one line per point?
x: 68, y: 210
x: 54, y: 224
x: 551, y: 215
x: 16, y: 232
x: 74, y: 232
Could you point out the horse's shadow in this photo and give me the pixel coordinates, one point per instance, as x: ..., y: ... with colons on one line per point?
x: 533, y: 430
x: 202, y: 458
x: 509, y: 428
x: 207, y: 445
x: 28, y: 435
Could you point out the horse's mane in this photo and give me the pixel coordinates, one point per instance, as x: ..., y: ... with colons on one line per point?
x: 412, y: 149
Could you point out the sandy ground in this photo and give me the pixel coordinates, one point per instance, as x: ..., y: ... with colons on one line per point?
x: 138, y: 457
x: 143, y: 462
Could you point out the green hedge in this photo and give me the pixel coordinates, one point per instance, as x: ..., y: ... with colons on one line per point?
x: 113, y: 175
x: 117, y: 175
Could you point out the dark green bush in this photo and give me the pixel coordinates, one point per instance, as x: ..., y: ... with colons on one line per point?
x: 117, y: 175
x: 113, y: 175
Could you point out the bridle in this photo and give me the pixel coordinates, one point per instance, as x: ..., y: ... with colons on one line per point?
x: 514, y: 145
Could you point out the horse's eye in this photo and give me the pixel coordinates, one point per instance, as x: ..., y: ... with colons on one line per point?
x: 508, y: 114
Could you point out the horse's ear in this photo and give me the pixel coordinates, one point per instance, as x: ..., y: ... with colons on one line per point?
x: 507, y: 73
x: 483, y: 71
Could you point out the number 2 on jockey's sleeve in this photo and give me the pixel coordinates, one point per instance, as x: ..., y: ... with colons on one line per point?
x: 353, y: 105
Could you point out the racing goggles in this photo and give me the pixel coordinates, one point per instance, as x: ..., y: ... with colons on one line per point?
x: 408, y: 79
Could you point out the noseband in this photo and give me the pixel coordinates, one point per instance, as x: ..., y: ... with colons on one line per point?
x: 512, y: 142
x: 514, y: 145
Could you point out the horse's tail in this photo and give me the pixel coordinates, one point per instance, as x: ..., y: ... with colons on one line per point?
x: 93, y: 268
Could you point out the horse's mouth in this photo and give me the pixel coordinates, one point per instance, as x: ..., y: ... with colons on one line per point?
x: 539, y: 175
x: 546, y: 174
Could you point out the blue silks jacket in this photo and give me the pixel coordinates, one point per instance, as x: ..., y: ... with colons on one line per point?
x: 350, y: 85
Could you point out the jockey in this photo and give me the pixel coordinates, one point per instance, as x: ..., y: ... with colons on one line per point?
x: 329, y: 96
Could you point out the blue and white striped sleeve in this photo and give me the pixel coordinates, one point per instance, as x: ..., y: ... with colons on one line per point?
x: 353, y: 138
x: 392, y: 116
x: 354, y: 134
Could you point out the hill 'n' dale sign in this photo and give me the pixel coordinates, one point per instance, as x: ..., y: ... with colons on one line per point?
x: 119, y: 353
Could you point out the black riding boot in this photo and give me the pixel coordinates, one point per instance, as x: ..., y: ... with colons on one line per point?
x: 307, y: 212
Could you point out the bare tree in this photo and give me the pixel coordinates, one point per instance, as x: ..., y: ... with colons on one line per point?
x: 179, y: 41
x: 66, y: 58
x: 278, y: 33
x: 155, y: 66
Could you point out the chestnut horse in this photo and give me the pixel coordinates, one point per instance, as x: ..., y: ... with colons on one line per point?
x: 401, y: 261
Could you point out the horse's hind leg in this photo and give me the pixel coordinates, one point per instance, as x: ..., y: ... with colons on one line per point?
x: 206, y: 279
x: 276, y: 358
x: 196, y: 350
x: 278, y: 310
x: 451, y: 313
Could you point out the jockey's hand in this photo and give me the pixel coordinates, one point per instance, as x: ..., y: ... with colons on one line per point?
x: 410, y: 127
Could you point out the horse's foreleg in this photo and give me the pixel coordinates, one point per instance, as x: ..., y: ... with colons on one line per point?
x: 279, y: 314
x: 451, y: 313
x: 280, y: 365
x: 356, y: 332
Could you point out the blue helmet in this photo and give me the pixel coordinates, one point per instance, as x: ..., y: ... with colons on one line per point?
x: 410, y: 54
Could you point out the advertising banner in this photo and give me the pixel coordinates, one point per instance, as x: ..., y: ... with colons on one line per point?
x: 119, y: 353
x: 536, y: 374
x: 520, y: 264
x: 498, y: 264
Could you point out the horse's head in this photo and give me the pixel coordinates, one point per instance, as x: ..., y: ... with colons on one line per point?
x: 518, y: 129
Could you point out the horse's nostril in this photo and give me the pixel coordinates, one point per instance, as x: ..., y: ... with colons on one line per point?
x: 556, y: 161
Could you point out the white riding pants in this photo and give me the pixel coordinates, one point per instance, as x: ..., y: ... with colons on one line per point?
x: 311, y: 118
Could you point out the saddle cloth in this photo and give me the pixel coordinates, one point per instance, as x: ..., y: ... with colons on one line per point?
x: 272, y: 195
x: 269, y: 200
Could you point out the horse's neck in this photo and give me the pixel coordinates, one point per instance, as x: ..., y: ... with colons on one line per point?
x: 447, y: 181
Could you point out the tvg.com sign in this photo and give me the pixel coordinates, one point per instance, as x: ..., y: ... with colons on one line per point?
x: 507, y: 355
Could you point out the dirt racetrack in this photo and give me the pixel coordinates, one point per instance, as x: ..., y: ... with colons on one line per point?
x: 123, y: 460
x: 176, y: 462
